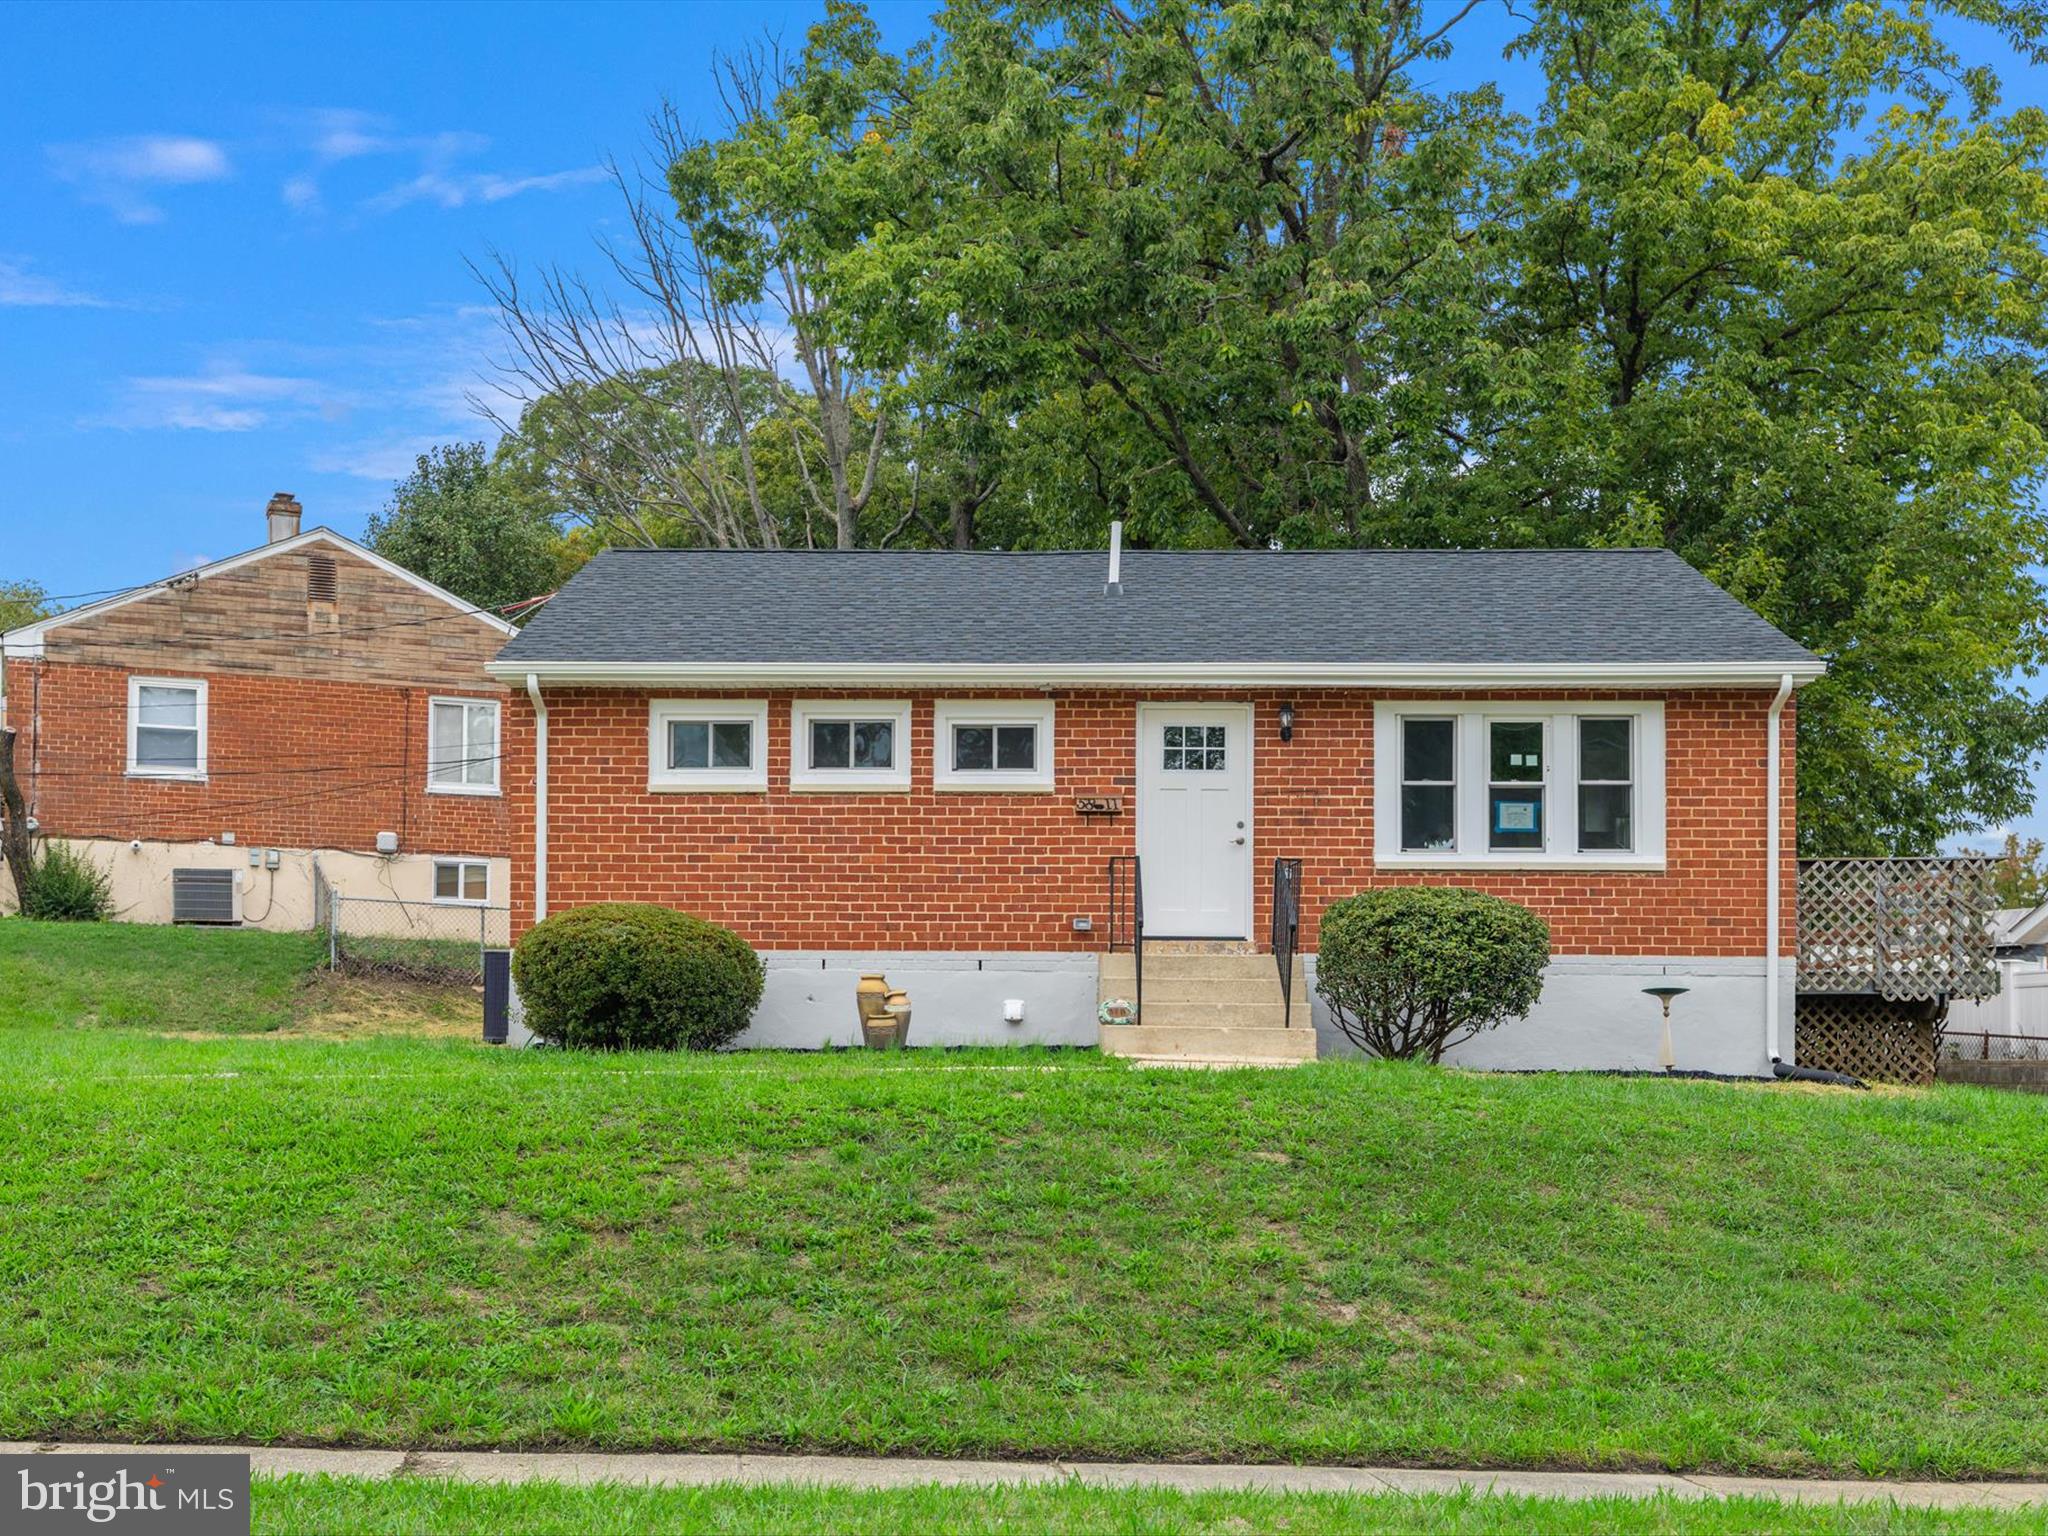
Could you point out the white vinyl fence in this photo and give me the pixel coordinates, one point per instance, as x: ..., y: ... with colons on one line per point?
x: 2012, y: 1026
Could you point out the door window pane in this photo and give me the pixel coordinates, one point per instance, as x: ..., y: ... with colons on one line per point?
x: 1196, y: 748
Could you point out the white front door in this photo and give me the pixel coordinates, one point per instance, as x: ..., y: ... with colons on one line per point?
x: 1195, y: 819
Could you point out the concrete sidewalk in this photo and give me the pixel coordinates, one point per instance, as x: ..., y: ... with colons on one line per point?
x: 679, y: 1469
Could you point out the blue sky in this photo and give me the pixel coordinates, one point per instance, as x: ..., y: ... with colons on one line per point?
x: 233, y: 239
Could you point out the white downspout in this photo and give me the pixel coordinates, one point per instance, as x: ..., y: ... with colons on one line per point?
x: 1773, y: 779
x: 540, y: 797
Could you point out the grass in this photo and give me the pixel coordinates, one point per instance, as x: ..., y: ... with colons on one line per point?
x: 425, y: 1507
x: 205, y: 981
x: 408, y: 1242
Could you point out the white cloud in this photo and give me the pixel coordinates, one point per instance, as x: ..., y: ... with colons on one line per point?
x: 23, y: 289
x: 334, y: 135
x: 449, y: 189
x: 385, y: 459
x: 218, y: 400
x: 117, y: 174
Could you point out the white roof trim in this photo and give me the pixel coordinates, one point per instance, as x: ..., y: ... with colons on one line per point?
x: 2028, y: 927
x: 27, y: 641
x: 1726, y: 674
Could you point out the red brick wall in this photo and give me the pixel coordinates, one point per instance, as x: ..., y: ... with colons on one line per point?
x: 930, y: 870
x: 291, y: 762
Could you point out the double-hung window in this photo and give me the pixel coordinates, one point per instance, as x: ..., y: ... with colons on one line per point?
x: 167, y: 727
x: 992, y: 744
x: 462, y: 746
x: 1528, y: 784
x: 836, y: 744
x: 707, y: 744
x: 1429, y: 787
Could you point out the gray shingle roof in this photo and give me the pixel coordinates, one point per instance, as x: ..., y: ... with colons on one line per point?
x: 1479, y: 607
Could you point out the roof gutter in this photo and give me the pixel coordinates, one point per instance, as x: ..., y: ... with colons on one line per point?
x: 650, y: 674
x: 1773, y: 877
x: 540, y: 798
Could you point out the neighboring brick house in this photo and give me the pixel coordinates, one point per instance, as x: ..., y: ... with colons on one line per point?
x: 928, y: 763
x: 305, y: 701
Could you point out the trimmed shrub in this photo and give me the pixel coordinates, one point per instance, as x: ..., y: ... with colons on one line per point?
x: 67, y: 887
x: 1411, y: 972
x: 628, y: 976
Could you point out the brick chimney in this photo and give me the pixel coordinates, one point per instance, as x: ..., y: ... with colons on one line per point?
x: 283, y: 513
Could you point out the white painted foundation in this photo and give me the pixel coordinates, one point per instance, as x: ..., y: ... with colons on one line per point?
x: 1592, y: 1016
x: 279, y: 899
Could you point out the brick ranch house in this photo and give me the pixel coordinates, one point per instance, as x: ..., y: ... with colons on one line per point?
x: 927, y: 763
x: 303, y: 701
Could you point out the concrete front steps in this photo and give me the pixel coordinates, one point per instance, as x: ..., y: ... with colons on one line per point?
x: 1207, y: 1004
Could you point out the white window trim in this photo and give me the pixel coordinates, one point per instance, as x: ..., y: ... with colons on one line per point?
x: 497, y: 744
x: 664, y: 780
x: 1560, y: 784
x: 804, y: 778
x: 196, y: 775
x: 948, y: 713
x: 460, y: 864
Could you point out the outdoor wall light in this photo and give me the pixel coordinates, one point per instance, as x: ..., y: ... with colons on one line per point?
x: 1287, y: 722
x: 1669, y: 1060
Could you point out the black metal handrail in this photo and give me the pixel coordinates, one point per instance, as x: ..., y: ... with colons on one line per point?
x: 1286, y: 928
x: 1127, y: 887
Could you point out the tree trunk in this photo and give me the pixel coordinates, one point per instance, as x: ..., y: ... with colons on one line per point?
x: 14, y: 841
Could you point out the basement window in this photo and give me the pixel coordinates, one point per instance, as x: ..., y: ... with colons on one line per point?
x: 462, y: 746
x: 167, y: 728
x: 460, y: 882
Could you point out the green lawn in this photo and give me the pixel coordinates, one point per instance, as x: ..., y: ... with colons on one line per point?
x: 426, y: 1507
x: 422, y: 1243
x: 70, y: 976
x: 94, y: 975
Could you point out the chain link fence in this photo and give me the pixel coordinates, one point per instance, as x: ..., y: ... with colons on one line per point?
x: 441, y: 943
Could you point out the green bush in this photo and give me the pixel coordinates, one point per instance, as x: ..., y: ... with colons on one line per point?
x: 66, y: 887
x: 627, y: 976
x: 1411, y: 972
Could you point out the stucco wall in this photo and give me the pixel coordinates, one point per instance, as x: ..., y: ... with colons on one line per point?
x: 279, y: 899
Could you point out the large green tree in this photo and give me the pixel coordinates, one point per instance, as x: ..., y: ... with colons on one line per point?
x: 21, y: 602
x: 1761, y: 281
x: 463, y: 526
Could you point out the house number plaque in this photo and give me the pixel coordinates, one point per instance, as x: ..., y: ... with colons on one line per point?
x: 1099, y: 805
